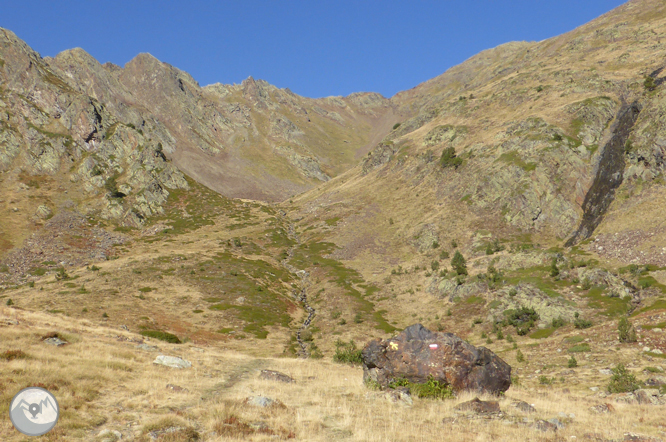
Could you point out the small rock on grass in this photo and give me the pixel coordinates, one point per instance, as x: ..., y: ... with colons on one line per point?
x: 176, y: 388
x: 544, y: 426
x: 55, y: 341
x: 271, y: 375
x: 263, y: 402
x: 524, y: 407
x: 399, y: 395
x: 110, y: 435
x: 147, y: 347
x: 172, y: 361
x: 633, y: 437
x: 479, y: 407
x: 602, y: 408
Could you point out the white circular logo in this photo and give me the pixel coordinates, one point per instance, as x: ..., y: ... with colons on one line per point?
x: 34, y: 411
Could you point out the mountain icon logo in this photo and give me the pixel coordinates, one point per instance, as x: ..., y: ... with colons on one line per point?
x: 34, y: 411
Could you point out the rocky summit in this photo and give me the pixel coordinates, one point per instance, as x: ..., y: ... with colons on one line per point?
x: 282, y: 247
x: 419, y: 355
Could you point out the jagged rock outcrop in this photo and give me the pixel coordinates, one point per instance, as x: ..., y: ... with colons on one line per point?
x: 418, y: 354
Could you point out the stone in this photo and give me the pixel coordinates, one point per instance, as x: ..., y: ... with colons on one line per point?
x: 172, y: 361
x: 400, y: 395
x: 260, y: 401
x: 544, y: 426
x: 147, y: 347
x: 633, y: 437
x: 418, y: 354
x: 176, y: 388
x: 557, y: 423
x: 524, y: 407
x: 479, y: 407
x: 606, y: 371
x: 271, y: 375
x: 43, y: 212
x: 602, y: 408
x: 110, y: 435
x: 656, y: 381
x: 56, y: 341
x: 648, y: 397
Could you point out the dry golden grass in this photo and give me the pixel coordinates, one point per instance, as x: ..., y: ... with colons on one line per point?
x: 105, y: 383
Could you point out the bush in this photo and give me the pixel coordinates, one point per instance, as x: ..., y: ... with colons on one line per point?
x: 649, y: 83
x: 520, y: 357
x: 162, y: 336
x: 10, y: 302
x: 522, y: 319
x: 347, y: 353
x: 434, y: 266
x: 449, y: 158
x: 554, y: 271
x: 432, y: 389
x: 622, y: 381
x: 444, y: 255
x: 545, y: 380
x: 61, y: 274
x: 582, y: 323
x: 558, y: 322
x: 396, y: 125
x: 572, y: 362
x: 459, y: 264
x: 626, y: 332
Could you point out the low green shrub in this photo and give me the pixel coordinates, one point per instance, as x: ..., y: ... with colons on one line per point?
x: 162, y: 336
x: 622, y: 381
x: 347, y: 353
x: 572, y: 362
x: 626, y: 331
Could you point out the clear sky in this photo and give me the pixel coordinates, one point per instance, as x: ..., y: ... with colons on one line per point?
x: 315, y: 47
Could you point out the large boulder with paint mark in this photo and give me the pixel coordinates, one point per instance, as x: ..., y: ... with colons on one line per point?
x: 418, y: 354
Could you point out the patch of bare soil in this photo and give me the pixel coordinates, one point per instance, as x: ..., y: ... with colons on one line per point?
x: 67, y: 239
x: 626, y: 247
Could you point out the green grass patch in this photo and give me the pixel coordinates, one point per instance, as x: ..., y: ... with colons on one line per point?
x: 345, y: 278
x: 650, y: 327
x: 146, y: 289
x: 513, y: 157
x: 655, y: 355
x: 332, y: 221
x: 542, y: 333
x: 574, y: 339
x: 611, y: 307
x: 161, y: 335
x: 39, y: 271
x: 659, y: 304
x: 475, y: 300
x: 494, y: 304
x: 257, y: 317
x: 580, y: 348
x: 225, y: 330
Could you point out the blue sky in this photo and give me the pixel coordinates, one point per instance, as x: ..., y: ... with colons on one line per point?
x: 316, y: 48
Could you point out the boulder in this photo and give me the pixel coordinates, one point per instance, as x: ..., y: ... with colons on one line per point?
x: 418, y: 354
